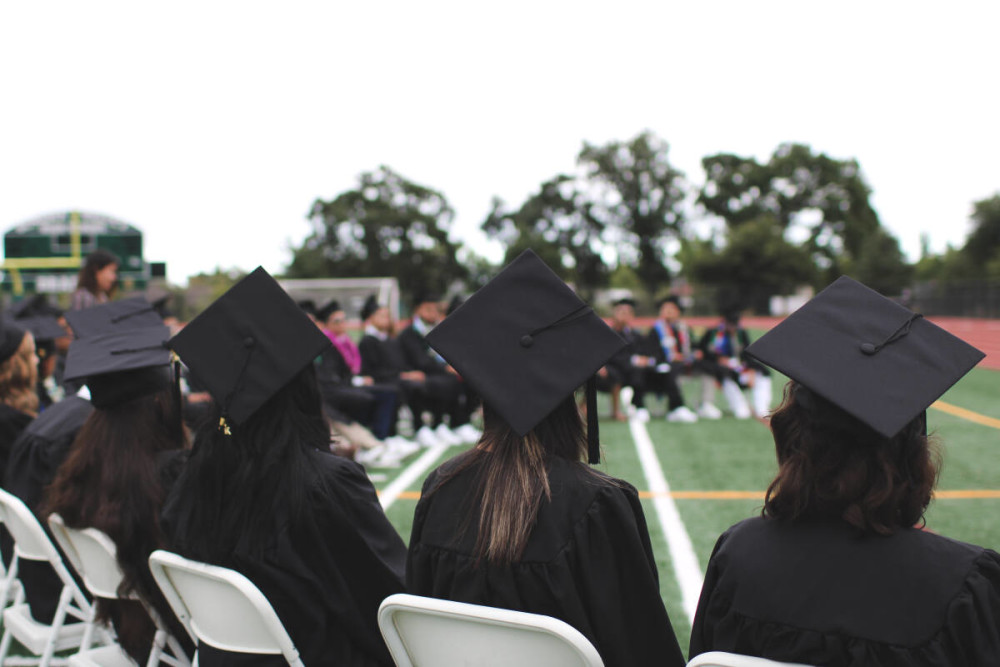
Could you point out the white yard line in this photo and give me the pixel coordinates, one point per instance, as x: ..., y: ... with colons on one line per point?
x: 685, y: 562
x: 410, y: 474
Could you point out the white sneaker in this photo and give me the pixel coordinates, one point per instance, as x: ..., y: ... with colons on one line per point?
x: 446, y: 435
x: 737, y: 401
x: 400, y: 445
x: 642, y: 415
x: 626, y: 395
x: 709, y: 411
x: 468, y: 433
x: 426, y: 437
x: 377, y: 457
x: 682, y: 415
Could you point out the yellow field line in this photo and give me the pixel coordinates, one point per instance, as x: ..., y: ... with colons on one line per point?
x: 759, y: 495
x: 966, y: 414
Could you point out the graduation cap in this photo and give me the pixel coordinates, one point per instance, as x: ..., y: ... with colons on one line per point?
x: 625, y: 301
x: 876, y: 360
x: 118, y: 366
x: 525, y: 341
x: 34, y: 306
x: 134, y: 313
x: 11, y: 337
x: 249, y: 344
x: 46, y: 329
x: 308, y: 306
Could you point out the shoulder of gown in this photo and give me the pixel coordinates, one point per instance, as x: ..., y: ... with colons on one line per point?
x: 820, y: 593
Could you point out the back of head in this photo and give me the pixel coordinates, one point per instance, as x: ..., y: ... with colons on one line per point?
x: 234, y: 482
x: 19, y: 371
x: 833, y: 466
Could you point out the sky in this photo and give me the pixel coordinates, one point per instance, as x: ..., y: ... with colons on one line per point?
x: 213, y: 126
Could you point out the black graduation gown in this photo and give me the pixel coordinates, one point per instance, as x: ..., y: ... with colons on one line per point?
x: 34, y: 459
x: 12, y: 422
x: 820, y: 593
x: 588, y: 561
x: 325, y: 573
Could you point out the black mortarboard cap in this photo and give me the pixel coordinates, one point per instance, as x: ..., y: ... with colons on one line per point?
x: 11, y: 336
x: 426, y: 297
x: 134, y: 313
x: 308, y: 306
x: 121, y: 365
x: 370, y: 306
x: 249, y: 344
x: 876, y: 360
x: 525, y: 341
x: 453, y: 305
x: 42, y: 327
x: 624, y: 301
x: 34, y: 306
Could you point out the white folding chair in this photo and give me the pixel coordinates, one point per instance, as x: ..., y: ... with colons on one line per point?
x: 221, y: 607
x: 42, y: 640
x: 427, y: 632
x: 95, y: 558
x: 723, y: 659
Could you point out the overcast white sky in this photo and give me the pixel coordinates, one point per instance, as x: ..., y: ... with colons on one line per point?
x: 212, y: 126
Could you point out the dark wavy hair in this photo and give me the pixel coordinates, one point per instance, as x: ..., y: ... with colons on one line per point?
x: 111, y: 480
x: 513, y: 478
x: 832, y: 466
x: 94, y: 262
x: 234, y: 483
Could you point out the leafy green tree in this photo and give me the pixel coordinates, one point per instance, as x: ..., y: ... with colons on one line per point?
x: 386, y: 226
x: 626, y: 203
x: 638, y: 197
x: 827, y: 197
x: 982, y: 247
x: 756, y: 263
x: 880, y: 264
x: 554, y: 222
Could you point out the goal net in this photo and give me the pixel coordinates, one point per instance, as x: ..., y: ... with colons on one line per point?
x: 351, y: 293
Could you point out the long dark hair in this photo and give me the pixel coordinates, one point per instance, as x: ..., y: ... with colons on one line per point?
x: 94, y: 262
x: 513, y: 478
x: 234, y: 483
x: 830, y: 465
x: 111, y: 481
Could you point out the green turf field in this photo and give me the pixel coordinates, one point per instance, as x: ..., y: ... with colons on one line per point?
x: 733, y: 455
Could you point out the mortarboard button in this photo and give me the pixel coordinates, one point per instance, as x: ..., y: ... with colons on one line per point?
x: 868, y: 348
x: 527, y: 340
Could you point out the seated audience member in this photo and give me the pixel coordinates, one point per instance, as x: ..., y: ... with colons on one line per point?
x: 724, y: 350
x: 839, y: 570
x: 97, y: 280
x: 18, y: 385
x: 668, y: 344
x: 36, y: 315
x: 341, y: 367
x: 262, y: 493
x: 445, y: 388
x: 520, y: 521
x: 121, y: 465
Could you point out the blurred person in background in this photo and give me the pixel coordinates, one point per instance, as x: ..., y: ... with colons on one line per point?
x: 96, y: 281
x: 724, y: 350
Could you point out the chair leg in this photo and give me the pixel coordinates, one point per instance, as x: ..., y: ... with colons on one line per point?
x: 56, y: 628
x: 4, y: 645
x: 154, y: 653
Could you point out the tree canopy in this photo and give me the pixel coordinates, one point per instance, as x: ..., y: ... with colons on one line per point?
x: 386, y: 226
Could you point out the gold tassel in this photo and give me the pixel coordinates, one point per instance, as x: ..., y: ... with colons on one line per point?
x: 224, y: 426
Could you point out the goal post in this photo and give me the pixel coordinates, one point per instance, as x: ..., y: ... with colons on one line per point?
x: 351, y: 293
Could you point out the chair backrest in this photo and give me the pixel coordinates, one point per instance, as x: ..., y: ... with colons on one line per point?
x: 221, y: 607
x: 723, y: 659
x: 31, y: 542
x: 92, y: 554
x: 427, y: 632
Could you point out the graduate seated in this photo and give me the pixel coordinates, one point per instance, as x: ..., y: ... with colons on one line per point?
x: 723, y: 348
x: 520, y: 521
x: 839, y: 570
x: 670, y: 346
x: 18, y: 385
x: 262, y: 494
x: 446, y: 392
x: 121, y: 465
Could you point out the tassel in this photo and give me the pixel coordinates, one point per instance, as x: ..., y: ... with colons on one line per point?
x: 593, y: 440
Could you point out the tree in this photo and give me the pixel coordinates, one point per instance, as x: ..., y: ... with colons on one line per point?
x: 826, y: 198
x: 638, y: 198
x: 880, y: 264
x: 386, y: 226
x: 554, y: 222
x: 756, y: 263
x: 624, y: 208
x: 982, y: 248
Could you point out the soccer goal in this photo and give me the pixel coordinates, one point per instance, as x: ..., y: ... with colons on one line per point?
x: 350, y: 292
